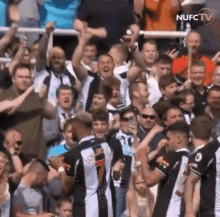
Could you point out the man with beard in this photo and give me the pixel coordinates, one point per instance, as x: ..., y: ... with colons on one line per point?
x: 180, y: 65
x: 200, y: 91
x: 56, y: 73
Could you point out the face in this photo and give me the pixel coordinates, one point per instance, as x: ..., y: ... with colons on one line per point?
x: 214, y: 99
x: 143, y: 94
x: 99, y: 101
x: 147, y: 118
x: 163, y: 69
x: 105, y: 66
x: 13, y: 139
x: 125, y: 121
x: 188, y: 104
x: 216, y: 76
x: 140, y: 185
x: 169, y: 91
x: 89, y: 54
x: 193, y: 40
x: 2, y: 165
x: 34, y: 50
x: 26, y: 58
x: 197, y: 75
x: 100, y: 129
x: 57, y: 60
x: 22, y: 79
x: 150, y: 53
x: 173, y: 115
x: 65, y: 210
x: 65, y: 99
x: 115, y: 95
x: 171, y: 141
x: 67, y: 134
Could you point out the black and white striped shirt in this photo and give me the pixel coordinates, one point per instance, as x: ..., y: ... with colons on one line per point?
x: 170, y: 197
x: 90, y: 164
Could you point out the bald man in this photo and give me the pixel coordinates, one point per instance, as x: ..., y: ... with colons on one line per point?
x: 180, y: 65
x: 55, y: 73
x: 147, y: 121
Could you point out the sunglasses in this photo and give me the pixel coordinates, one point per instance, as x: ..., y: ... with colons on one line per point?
x: 152, y: 117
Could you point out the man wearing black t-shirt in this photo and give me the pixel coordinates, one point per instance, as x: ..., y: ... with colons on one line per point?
x: 171, y: 174
x: 205, y: 166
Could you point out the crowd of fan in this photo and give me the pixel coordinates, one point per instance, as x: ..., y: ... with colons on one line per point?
x: 145, y: 100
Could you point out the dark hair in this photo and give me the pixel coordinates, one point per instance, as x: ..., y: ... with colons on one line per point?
x: 213, y: 88
x: 67, y: 123
x: 180, y: 97
x: 164, y: 59
x: 126, y: 111
x: 201, y: 127
x: 167, y: 109
x: 21, y: 66
x: 63, y: 87
x: 198, y: 63
x: 179, y: 126
x: 100, y: 115
x: 111, y: 82
x: 166, y: 80
x: 63, y: 200
x: 134, y: 87
x: 106, y: 91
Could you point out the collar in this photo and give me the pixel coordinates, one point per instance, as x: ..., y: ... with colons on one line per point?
x: 61, y: 111
x: 199, y: 147
x: 110, y: 107
x: 120, y: 69
x: 183, y: 149
x: 88, y: 67
x: 86, y: 138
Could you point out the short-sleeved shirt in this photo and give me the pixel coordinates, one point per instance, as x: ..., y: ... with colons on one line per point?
x: 206, y: 163
x: 30, y: 199
x: 90, y: 163
x: 172, y: 186
x: 27, y: 119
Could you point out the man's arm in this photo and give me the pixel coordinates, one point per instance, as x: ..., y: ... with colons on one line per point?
x: 192, y: 179
x: 41, y: 60
x: 175, y: 5
x: 133, y: 73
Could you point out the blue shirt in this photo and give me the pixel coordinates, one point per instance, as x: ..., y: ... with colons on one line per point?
x: 3, y: 12
x: 63, y: 12
x: 57, y: 150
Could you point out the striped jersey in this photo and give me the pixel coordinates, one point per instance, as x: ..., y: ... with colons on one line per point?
x: 206, y: 163
x: 126, y: 141
x: 170, y: 201
x: 90, y: 164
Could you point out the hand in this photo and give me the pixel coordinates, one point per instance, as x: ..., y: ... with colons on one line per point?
x: 142, y: 152
x: 161, y: 144
x: 47, y: 215
x: 100, y: 32
x: 56, y: 162
x: 50, y: 27
x: 215, y: 59
x: 115, y: 123
x: 14, y: 14
x: 119, y: 166
x: 161, y: 160
x: 173, y: 53
x: 23, y: 40
x: 187, y: 84
x: 12, y: 151
x: 43, y: 92
x: 133, y: 130
x: 157, y: 128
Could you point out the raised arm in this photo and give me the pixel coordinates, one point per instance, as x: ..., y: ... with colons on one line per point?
x: 41, y: 60
x: 175, y: 5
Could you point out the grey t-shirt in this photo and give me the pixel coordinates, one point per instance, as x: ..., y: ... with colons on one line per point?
x: 30, y: 199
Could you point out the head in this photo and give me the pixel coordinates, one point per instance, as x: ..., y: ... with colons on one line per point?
x: 139, y: 93
x: 163, y: 65
x: 4, y: 164
x: 193, y: 40
x: 67, y: 132
x: 26, y: 57
x: 34, y: 49
x: 57, y: 59
x: 125, y: 116
x: 81, y: 126
x: 13, y: 139
x: 115, y: 84
x: 186, y: 100
x: 64, y: 207
x: 100, y: 123
x: 38, y: 171
x: 172, y: 115
x: 168, y: 86
x: 177, y: 136
x: 65, y: 96
x: 201, y: 129
x: 102, y: 97
x: 214, y: 97
x: 119, y: 53
x: 22, y: 77
x: 150, y: 51
x: 216, y: 75
x: 147, y: 118
x: 89, y: 53
x: 138, y: 182
x: 198, y: 72
x: 105, y: 66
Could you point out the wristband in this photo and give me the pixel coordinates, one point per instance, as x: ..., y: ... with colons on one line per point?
x: 61, y: 169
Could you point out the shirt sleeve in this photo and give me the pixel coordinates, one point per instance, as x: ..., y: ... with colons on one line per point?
x: 71, y: 162
x: 200, y: 162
